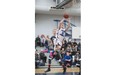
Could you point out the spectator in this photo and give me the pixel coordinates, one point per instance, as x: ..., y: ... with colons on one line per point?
x: 42, y: 40
x: 47, y: 41
x: 37, y: 41
x: 69, y: 42
x: 79, y: 46
x: 74, y: 49
x: 36, y: 59
x: 77, y: 57
x: 67, y: 61
x: 69, y: 48
x: 65, y: 44
x: 62, y: 52
x: 43, y: 57
x: 74, y: 43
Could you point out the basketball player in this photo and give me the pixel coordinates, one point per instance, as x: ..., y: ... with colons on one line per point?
x: 57, y: 39
x: 53, y: 50
x: 59, y: 34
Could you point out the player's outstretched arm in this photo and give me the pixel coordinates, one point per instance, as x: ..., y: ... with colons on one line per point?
x: 68, y: 20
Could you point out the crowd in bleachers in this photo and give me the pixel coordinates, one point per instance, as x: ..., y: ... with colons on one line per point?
x: 70, y: 51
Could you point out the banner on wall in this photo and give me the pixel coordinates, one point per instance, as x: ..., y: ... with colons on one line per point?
x: 76, y: 34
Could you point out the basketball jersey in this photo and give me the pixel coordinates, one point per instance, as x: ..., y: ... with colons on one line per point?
x: 61, y: 32
x: 57, y: 39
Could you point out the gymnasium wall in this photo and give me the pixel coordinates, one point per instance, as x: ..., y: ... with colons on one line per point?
x: 44, y: 24
x: 45, y: 3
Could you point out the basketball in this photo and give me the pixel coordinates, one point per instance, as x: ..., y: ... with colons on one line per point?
x: 66, y: 16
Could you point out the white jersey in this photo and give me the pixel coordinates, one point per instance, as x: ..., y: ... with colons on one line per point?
x: 59, y: 37
x: 56, y: 41
x: 61, y: 32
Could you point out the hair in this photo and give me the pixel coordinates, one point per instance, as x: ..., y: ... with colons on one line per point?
x: 60, y: 25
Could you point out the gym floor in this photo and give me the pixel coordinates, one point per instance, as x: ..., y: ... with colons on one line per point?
x: 58, y: 71
x: 68, y: 73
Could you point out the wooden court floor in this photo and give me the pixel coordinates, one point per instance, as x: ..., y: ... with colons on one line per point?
x: 57, y: 70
